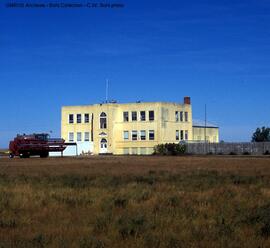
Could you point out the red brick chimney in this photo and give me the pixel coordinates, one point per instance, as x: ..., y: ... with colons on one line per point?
x: 187, y: 100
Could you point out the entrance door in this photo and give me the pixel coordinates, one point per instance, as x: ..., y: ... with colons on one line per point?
x: 103, y: 146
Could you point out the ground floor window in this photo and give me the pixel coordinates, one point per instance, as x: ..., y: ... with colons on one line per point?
x: 126, y: 151
x: 186, y: 135
x: 134, y: 150
x: 86, y: 136
x: 182, y: 134
x: 71, y: 136
x: 177, y: 135
x: 79, y: 136
x: 143, y: 150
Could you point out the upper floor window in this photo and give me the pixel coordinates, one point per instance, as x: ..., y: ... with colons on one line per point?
x: 125, y: 116
x: 177, y: 135
x: 126, y: 135
x: 151, y: 115
x: 70, y: 136
x: 70, y: 118
x: 86, y: 136
x: 79, y: 118
x: 181, y: 116
x: 79, y: 136
x: 86, y: 118
x: 143, y: 134
x: 151, y: 134
x: 176, y: 116
x: 134, y: 135
x: 103, y: 120
x: 186, y: 116
x: 142, y: 115
x: 134, y: 116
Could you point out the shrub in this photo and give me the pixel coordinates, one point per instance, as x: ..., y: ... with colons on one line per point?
x: 8, y: 223
x: 266, y: 152
x: 39, y: 241
x: 170, y: 149
x: 160, y: 149
x: 120, y: 202
x: 92, y: 242
x: 261, y: 216
x: 246, y: 153
x: 131, y: 225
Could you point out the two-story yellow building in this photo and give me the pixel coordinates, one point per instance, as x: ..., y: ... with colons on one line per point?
x: 131, y: 128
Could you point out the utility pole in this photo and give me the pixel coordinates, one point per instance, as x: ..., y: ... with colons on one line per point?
x: 205, y: 118
x: 107, y: 88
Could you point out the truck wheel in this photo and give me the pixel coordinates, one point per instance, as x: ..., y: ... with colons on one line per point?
x: 11, y: 155
x: 24, y: 155
x: 44, y: 155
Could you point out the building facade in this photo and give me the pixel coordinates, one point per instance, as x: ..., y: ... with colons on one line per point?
x: 205, y: 132
x: 132, y: 128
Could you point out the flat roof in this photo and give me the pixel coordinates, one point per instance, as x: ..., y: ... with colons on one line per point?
x: 200, y: 123
x: 129, y: 103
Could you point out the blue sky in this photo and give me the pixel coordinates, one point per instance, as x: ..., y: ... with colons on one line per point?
x: 217, y: 52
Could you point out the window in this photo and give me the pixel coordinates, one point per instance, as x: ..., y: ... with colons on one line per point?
x: 151, y: 115
x: 151, y: 134
x: 86, y: 136
x: 79, y: 136
x: 79, y: 118
x: 103, y: 120
x: 176, y: 116
x: 186, y: 135
x: 186, y: 116
x: 126, y: 135
x: 126, y: 151
x: 181, y: 116
x: 181, y: 134
x: 177, y: 135
x: 86, y: 118
x: 70, y: 118
x: 143, y: 134
x: 134, y: 135
x: 143, y: 150
x: 125, y: 116
x: 134, y: 116
x: 71, y: 136
x: 134, y: 150
x: 103, y: 145
x: 142, y: 113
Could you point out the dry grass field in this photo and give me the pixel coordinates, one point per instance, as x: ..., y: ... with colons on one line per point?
x: 130, y: 201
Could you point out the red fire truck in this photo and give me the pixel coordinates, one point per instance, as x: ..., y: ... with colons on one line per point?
x: 35, y: 144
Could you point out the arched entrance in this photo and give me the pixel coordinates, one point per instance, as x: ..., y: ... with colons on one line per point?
x: 103, y: 148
